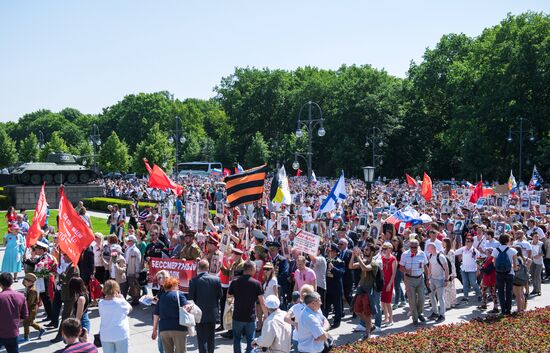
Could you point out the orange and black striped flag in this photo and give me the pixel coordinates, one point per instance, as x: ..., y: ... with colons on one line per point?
x: 245, y: 187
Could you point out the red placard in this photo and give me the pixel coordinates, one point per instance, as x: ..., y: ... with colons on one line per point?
x: 183, y: 270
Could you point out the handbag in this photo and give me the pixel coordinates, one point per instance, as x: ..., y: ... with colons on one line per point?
x: 185, y: 318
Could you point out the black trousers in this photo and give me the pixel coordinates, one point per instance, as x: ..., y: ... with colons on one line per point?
x: 46, y: 301
x: 334, y: 298
x: 222, y: 303
x: 348, y: 289
x: 56, y: 307
x: 323, y: 293
x: 205, y: 337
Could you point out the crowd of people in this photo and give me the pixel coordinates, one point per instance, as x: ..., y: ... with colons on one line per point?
x: 384, y: 247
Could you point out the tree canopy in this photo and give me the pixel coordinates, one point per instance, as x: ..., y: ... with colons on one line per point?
x: 450, y: 116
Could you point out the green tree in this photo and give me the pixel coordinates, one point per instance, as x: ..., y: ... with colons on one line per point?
x: 56, y: 144
x: 29, y: 150
x: 114, y: 156
x: 258, y: 152
x: 8, y: 151
x: 156, y: 149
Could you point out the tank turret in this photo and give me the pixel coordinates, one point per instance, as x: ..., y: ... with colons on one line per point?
x: 60, y: 168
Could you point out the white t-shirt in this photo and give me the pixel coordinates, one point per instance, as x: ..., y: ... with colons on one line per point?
x: 269, y: 288
x: 511, y: 252
x: 536, y: 249
x: 436, y: 269
x: 114, y: 324
x: 525, y: 247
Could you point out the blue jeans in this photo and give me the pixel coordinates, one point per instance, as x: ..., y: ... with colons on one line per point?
x: 399, y: 294
x: 375, y: 309
x: 159, y: 342
x: 249, y: 329
x: 10, y: 344
x: 115, y: 347
x: 469, y: 279
x: 505, y: 283
x: 85, y: 322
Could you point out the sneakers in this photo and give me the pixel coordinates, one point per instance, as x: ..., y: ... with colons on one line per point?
x: 360, y: 328
x: 440, y: 318
x: 377, y: 329
x: 394, y: 306
x: 22, y: 339
x: 433, y: 316
x: 41, y: 332
x: 421, y: 318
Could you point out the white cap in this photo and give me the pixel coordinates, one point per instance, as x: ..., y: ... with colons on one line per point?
x: 272, y: 302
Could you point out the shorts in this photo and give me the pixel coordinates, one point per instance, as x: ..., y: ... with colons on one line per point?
x: 362, y: 304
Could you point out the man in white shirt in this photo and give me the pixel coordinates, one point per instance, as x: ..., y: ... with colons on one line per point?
x: 439, y: 279
x: 275, y: 331
x: 536, y: 265
x: 505, y: 281
x: 468, y: 269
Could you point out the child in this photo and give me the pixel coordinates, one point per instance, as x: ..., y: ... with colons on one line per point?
x: 488, y: 283
x: 32, y: 305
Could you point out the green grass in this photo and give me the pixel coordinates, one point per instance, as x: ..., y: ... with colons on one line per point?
x: 98, y: 224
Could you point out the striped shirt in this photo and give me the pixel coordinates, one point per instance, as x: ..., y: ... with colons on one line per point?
x: 415, y: 263
x: 78, y: 347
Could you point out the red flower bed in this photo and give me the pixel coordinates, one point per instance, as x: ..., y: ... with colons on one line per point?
x: 526, y: 332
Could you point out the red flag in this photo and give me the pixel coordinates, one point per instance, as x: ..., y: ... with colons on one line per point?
x: 411, y: 181
x: 74, y: 234
x: 426, y: 190
x: 478, y: 192
x: 226, y: 172
x: 38, y: 219
x: 298, y: 172
x: 159, y: 179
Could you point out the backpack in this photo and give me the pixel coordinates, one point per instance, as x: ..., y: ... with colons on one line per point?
x: 379, y: 280
x: 449, y: 265
x: 521, y: 277
x: 502, y: 262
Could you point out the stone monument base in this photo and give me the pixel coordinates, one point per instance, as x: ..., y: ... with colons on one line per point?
x: 23, y: 196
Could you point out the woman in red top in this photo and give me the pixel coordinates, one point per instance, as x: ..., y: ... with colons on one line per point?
x: 389, y: 268
x: 11, y: 216
x: 488, y: 283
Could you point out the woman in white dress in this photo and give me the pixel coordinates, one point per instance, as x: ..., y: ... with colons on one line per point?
x: 450, y: 290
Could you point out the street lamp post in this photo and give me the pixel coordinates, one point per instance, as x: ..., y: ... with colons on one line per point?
x: 177, y: 137
x: 368, y: 173
x: 41, y: 144
x: 520, y: 139
x: 95, y: 140
x: 376, y: 139
x: 309, y: 124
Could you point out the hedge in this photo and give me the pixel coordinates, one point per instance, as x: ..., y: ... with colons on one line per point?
x: 101, y: 203
x: 525, y: 332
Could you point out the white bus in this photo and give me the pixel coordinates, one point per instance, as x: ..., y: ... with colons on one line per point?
x: 199, y: 168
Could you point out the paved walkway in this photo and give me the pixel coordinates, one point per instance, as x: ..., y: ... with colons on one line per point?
x: 141, y: 324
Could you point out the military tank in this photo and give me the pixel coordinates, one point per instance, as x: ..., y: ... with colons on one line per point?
x: 60, y: 168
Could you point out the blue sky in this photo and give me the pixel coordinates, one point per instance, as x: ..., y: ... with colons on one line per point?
x: 89, y: 54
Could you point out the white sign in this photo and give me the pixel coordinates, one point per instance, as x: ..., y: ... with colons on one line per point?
x: 307, y: 242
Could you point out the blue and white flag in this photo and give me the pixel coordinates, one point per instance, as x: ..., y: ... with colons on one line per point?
x: 240, y: 169
x: 536, y: 179
x: 338, y: 193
